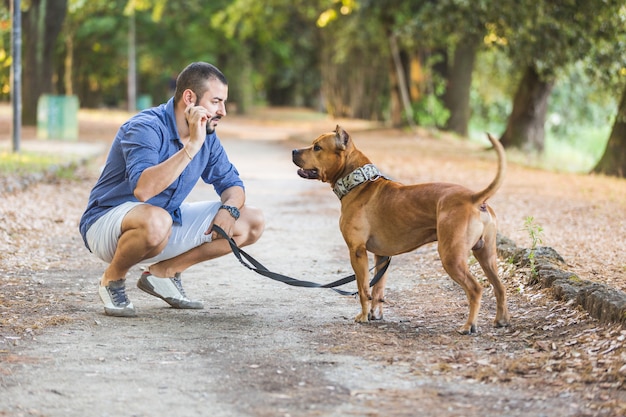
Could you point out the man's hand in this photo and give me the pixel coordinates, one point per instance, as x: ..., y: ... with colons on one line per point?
x: 232, y: 196
x: 224, y: 220
x: 197, y: 118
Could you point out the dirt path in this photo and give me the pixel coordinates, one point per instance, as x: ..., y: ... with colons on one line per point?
x: 262, y: 348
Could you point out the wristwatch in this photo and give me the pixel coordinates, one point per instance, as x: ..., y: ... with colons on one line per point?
x: 234, y: 211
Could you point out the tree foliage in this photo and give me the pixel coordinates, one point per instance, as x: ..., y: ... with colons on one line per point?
x: 543, y: 40
x: 337, y: 54
x: 354, y: 63
x: 279, y: 43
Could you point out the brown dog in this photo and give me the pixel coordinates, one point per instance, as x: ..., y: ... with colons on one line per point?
x: 387, y: 218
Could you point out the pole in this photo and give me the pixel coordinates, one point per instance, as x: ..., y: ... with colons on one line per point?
x: 132, y: 65
x: 16, y: 66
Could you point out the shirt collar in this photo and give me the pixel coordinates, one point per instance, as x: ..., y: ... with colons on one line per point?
x: 170, y: 117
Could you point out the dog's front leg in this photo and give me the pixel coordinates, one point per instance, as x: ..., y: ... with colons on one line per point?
x: 378, y: 292
x: 359, y: 261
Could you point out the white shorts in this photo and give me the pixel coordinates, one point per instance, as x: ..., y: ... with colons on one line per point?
x: 103, y: 235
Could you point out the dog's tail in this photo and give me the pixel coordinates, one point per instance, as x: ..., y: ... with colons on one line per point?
x: 482, y: 196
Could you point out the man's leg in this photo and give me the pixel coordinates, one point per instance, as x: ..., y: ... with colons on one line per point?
x: 123, y: 237
x: 248, y: 229
x: 163, y: 279
x: 145, y: 231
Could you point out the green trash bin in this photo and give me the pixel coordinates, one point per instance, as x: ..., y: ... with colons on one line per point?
x: 144, y: 101
x: 57, y: 117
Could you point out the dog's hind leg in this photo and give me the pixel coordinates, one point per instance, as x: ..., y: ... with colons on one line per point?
x: 454, y: 261
x: 487, y: 258
x: 378, y: 292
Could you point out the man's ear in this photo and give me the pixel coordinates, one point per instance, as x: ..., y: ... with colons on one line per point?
x: 189, y: 97
x: 342, y: 138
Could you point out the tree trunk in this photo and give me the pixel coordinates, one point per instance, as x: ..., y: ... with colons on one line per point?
x: 613, y: 162
x: 401, y: 82
x: 395, y: 102
x: 68, y: 63
x: 525, y: 128
x: 42, y: 24
x: 457, y: 95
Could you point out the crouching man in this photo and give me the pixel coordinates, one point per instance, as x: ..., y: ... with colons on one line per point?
x: 136, y: 211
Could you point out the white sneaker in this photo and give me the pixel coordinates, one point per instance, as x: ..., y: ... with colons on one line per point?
x: 115, y: 301
x: 169, y: 290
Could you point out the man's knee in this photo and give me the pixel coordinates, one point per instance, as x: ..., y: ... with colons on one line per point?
x: 256, y: 224
x: 154, y: 223
x: 159, y: 228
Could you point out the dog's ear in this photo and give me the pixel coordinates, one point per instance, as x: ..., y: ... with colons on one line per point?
x: 342, y: 138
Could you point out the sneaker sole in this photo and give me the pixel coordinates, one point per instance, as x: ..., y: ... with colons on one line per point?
x: 116, y: 312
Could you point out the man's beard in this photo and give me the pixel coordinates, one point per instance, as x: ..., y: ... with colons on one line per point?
x: 210, y: 130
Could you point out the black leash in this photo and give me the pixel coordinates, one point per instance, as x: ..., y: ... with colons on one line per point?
x: 260, y: 269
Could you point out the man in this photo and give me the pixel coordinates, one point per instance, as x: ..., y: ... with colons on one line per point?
x: 136, y: 212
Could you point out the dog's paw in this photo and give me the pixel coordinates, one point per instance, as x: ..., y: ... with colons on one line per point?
x: 373, y: 315
x: 467, y: 330
x: 361, y: 318
x: 501, y: 323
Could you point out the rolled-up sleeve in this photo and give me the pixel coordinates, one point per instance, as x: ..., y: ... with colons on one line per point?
x: 220, y: 172
x: 141, y: 145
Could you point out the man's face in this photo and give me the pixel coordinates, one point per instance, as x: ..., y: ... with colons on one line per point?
x: 214, y: 100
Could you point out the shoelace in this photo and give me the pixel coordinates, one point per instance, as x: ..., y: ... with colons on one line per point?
x: 179, y: 285
x: 119, y: 296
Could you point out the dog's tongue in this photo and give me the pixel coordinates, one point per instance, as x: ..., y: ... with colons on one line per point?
x: 309, y: 174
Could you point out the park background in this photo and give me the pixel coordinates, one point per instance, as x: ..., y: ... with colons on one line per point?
x: 542, y: 75
x: 547, y: 77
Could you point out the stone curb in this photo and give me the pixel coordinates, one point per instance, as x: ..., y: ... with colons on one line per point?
x: 599, y: 300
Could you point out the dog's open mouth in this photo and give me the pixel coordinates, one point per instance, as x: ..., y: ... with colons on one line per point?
x: 309, y: 174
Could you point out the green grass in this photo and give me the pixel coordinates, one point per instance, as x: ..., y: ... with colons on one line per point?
x: 577, y: 152
x: 27, y: 162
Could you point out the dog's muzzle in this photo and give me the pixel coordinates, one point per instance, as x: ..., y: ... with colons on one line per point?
x: 309, y: 174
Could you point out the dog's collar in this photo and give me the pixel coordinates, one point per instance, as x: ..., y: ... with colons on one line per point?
x: 357, y: 177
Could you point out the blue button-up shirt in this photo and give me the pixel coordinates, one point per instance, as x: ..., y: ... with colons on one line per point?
x: 148, y: 139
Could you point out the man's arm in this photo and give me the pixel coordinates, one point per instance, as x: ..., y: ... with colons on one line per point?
x: 235, y: 197
x: 157, y: 178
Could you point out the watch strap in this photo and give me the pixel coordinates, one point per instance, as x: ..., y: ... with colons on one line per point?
x: 234, y: 211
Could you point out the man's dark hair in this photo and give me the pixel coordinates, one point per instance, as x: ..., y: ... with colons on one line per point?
x: 195, y: 77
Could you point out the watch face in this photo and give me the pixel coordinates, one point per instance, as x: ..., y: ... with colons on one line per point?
x: 234, y: 211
